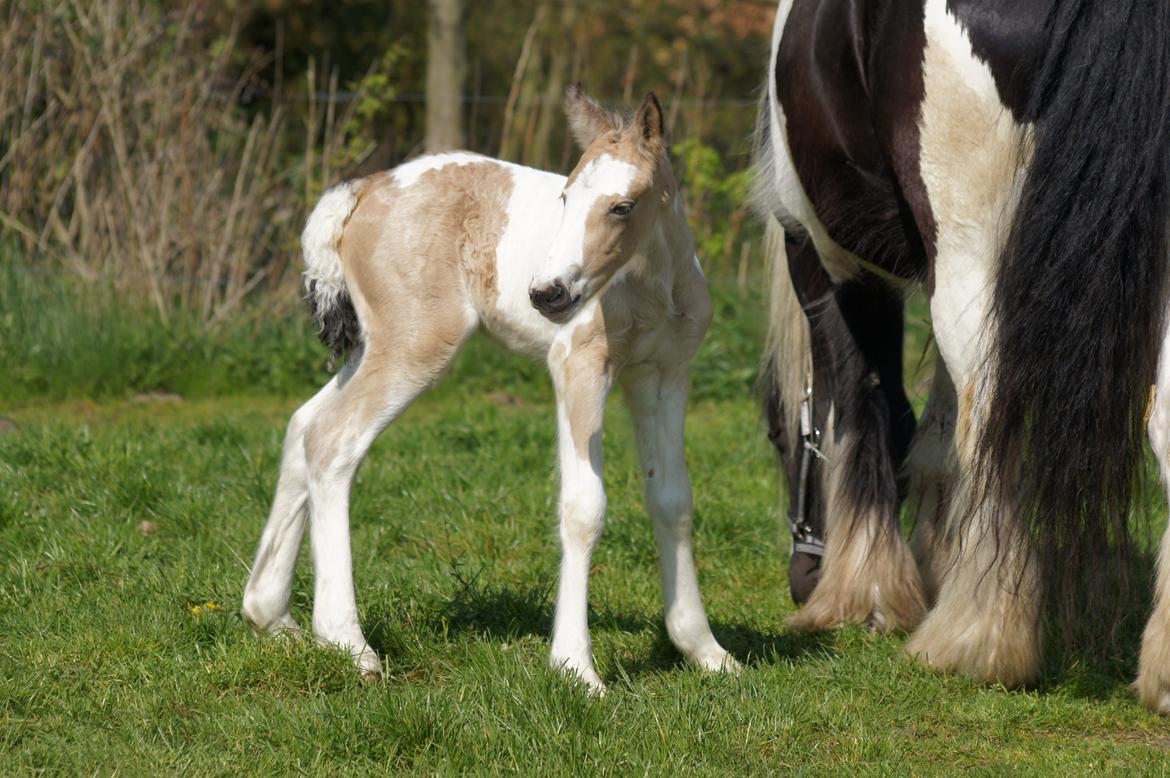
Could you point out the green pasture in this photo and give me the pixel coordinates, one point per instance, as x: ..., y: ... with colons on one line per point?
x: 132, y: 493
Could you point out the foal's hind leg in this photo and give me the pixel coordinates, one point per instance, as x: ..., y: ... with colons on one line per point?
x: 1153, y: 681
x: 658, y: 404
x: 390, y: 377
x: 269, y: 587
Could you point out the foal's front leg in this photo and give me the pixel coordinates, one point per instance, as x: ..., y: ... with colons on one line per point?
x: 582, y: 386
x: 658, y: 406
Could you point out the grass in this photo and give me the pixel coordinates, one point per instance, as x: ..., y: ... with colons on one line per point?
x: 112, y: 659
x: 127, y: 525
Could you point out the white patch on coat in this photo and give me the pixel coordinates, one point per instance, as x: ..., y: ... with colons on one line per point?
x: 1153, y: 681
x: 323, y: 273
x: 970, y: 165
x: 534, y: 213
x: 411, y: 172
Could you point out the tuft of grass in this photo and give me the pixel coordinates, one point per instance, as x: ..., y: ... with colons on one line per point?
x: 64, y: 338
x: 67, y: 338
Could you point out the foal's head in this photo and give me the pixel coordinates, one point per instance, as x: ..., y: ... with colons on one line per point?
x: 611, y: 201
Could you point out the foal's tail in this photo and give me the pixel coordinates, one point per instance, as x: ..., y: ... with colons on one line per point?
x: 1080, y: 292
x: 329, y: 299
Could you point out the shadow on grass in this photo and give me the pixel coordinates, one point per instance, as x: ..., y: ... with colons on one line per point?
x: 1093, y: 654
x: 749, y: 645
x: 1097, y: 664
x: 506, y: 614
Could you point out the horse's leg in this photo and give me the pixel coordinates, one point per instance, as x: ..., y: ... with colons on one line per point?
x: 582, y: 385
x: 986, y: 619
x: 1153, y: 681
x: 658, y: 404
x: 269, y: 587
x: 785, y: 381
x: 869, y: 576
x: 390, y: 377
x: 931, y: 467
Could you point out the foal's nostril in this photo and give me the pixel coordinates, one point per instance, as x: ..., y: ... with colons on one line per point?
x: 550, y: 299
x: 559, y: 295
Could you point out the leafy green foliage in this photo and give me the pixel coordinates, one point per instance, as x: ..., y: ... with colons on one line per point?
x: 716, y: 199
x: 67, y: 338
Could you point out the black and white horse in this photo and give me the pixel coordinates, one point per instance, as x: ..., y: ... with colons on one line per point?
x: 1012, y: 159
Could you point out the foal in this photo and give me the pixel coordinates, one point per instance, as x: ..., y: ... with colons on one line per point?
x: 596, y: 274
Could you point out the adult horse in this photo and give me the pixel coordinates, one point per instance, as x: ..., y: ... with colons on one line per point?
x: 1012, y: 158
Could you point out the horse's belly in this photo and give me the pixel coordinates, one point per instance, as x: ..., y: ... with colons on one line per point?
x: 830, y: 145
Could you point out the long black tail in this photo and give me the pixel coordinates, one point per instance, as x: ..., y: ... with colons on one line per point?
x: 1081, y: 288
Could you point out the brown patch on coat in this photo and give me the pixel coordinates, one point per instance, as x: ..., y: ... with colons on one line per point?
x: 412, y: 255
x: 412, y: 249
x: 582, y: 373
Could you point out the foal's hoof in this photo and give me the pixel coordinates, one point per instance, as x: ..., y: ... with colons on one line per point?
x: 369, y: 665
x: 580, y: 672
x: 720, y: 662
x: 594, y: 686
x: 282, y: 626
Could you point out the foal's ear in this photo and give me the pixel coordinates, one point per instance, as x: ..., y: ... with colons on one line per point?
x: 587, y: 119
x: 650, y: 124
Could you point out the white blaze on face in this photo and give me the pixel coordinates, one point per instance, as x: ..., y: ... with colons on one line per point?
x: 601, y: 179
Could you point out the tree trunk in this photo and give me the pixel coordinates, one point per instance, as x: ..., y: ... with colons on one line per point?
x: 446, y: 73
x: 551, y: 110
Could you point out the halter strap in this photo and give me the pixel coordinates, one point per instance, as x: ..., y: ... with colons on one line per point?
x: 804, y: 539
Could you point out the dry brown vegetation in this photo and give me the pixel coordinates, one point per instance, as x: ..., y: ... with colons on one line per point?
x: 125, y: 156
x: 170, y: 148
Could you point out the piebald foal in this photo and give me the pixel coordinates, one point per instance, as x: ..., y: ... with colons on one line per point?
x: 596, y: 273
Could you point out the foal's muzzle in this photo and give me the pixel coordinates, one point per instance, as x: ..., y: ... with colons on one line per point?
x: 554, y: 302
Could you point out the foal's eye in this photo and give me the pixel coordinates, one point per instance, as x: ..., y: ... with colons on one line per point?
x: 622, y: 210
